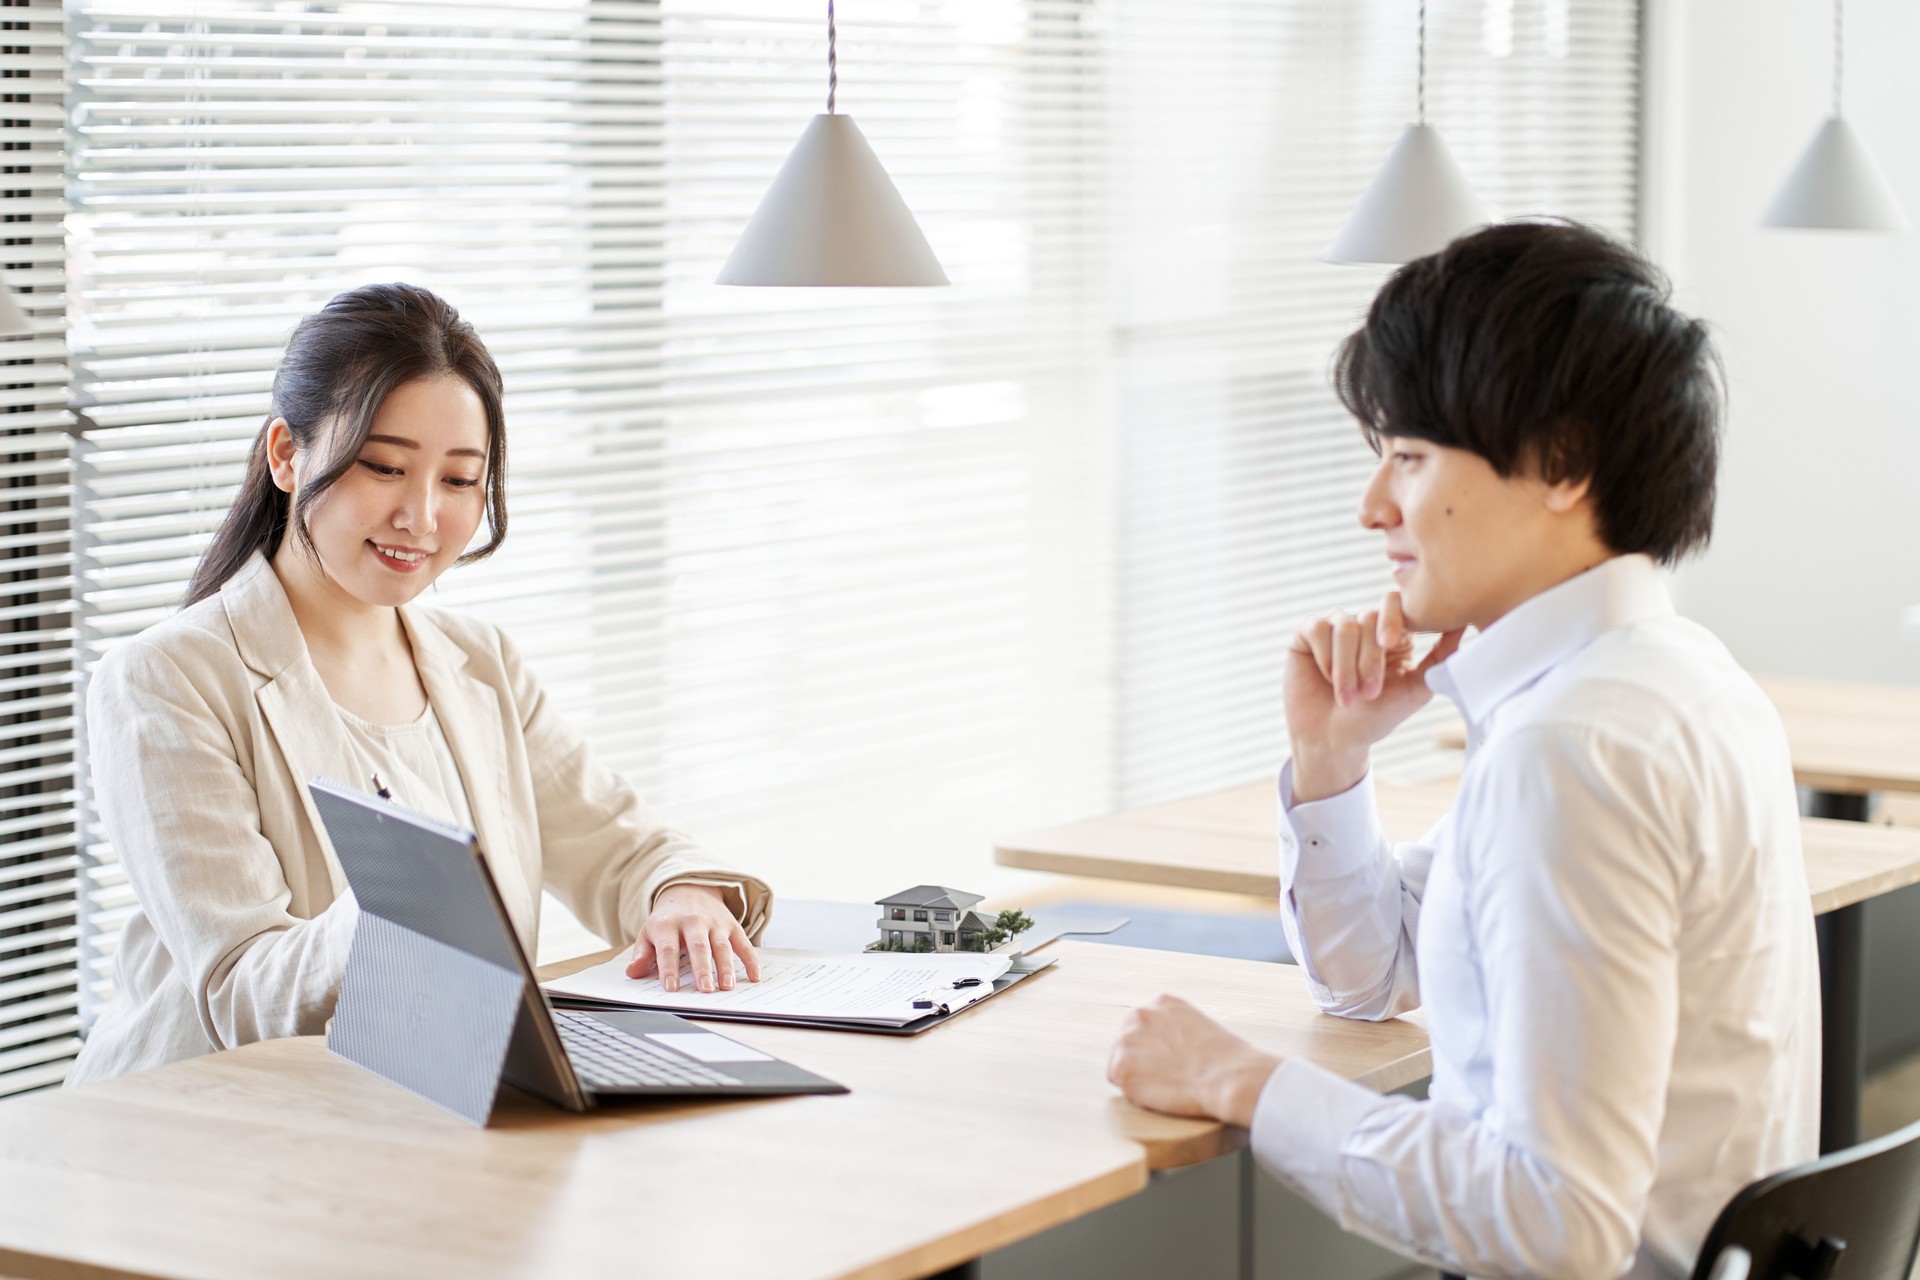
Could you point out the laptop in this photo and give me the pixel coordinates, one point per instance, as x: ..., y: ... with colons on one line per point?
x: 439, y: 996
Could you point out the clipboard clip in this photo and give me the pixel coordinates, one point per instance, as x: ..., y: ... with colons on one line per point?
x: 933, y: 1003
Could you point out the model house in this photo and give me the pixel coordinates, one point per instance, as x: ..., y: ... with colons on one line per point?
x: 931, y: 917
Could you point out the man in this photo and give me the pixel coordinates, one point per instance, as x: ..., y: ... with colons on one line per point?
x: 1610, y: 931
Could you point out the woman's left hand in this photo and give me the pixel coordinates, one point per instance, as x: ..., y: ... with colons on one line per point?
x: 692, y: 922
x: 1171, y: 1057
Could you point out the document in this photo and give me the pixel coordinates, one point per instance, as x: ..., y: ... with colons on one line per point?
x: 876, y: 987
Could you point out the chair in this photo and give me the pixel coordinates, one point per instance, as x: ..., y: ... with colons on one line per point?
x: 1851, y: 1215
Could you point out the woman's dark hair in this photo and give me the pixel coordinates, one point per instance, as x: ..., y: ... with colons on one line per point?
x: 339, y: 367
x: 1548, y: 348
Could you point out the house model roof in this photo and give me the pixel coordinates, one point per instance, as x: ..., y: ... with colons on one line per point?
x: 931, y: 895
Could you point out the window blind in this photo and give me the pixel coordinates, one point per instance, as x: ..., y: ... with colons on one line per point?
x: 821, y: 572
x: 39, y: 860
x: 846, y: 581
x: 1248, y: 131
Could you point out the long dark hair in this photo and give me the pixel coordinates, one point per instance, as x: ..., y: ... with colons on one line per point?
x: 340, y: 366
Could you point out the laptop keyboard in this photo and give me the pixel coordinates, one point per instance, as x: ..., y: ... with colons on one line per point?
x: 604, y: 1057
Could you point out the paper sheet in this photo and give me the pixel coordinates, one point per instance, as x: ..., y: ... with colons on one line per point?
x: 875, y: 986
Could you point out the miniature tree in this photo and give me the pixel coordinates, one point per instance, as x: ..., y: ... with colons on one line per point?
x: 1011, y: 922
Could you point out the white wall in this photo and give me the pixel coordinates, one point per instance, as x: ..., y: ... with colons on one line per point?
x: 1816, y: 548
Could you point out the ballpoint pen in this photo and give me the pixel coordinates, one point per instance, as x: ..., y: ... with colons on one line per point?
x: 380, y: 788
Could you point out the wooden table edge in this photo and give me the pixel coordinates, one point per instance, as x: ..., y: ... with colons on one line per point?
x: 1245, y: 883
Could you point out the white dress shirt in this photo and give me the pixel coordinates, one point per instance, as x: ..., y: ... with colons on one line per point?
x: 1611, y: 934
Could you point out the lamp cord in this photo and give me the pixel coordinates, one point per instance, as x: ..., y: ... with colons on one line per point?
x: 833, y: 62
x: 1421, y: 82
x: 1836, y: 58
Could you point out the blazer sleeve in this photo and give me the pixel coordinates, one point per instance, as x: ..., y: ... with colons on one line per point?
x: 184, y: 818
x: 604, y: 852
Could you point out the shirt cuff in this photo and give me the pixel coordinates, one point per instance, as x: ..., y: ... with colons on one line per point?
x: 1301, y: 1125
x: 1348, y: 820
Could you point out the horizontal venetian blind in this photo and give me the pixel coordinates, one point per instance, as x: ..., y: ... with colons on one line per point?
x: 39, y: 860
x: 848, y: 581
x: 1250, y: 128
x: 823, y: 572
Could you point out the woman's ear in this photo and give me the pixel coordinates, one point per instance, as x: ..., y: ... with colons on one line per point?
x: 280, y: 454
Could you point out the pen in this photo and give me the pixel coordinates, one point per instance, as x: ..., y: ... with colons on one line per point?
x: 380, y: 788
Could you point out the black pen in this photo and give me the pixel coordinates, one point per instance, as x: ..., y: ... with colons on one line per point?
x: 380, y: 788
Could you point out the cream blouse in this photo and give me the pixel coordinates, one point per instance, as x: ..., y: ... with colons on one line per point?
x: 415, y: 762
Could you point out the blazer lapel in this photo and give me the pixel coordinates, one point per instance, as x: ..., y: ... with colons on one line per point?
x: 469, y: 712
x: 294, y: 700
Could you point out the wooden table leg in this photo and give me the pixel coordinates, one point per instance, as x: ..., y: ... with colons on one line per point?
x: 1843, y: 952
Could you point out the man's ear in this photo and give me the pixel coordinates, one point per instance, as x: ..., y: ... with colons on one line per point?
x: 1564, y: 496
x: 280, y: 454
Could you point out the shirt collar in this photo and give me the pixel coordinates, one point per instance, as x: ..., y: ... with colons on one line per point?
x: 1546, y: 630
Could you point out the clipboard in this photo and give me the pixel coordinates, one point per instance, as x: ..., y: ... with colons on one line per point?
x: 1022, y: 968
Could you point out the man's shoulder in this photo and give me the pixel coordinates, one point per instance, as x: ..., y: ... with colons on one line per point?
x: 1655, y: 674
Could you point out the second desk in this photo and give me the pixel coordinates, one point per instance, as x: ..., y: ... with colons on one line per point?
x: 1228, y: 840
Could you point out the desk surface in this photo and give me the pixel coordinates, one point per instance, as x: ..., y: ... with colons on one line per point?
x: 1850, y: 737
x: 280, y: 1159
x: 1227, y: 840
x: 1843, y: 736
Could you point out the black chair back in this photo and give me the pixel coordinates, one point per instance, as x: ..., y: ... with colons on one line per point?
x: 1851, y: 1215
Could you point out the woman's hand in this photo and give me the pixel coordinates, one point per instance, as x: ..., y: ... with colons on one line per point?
x: 692, y: 921
x: 1171, y: 1057
x: 1350, y: 682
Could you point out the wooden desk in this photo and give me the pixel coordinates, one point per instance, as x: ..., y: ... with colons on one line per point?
x: 1845, y: 738
x: 281, y: 1160
x: 1227, y: 840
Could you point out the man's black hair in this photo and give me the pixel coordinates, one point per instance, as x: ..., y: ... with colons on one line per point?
x: 1548, y: 348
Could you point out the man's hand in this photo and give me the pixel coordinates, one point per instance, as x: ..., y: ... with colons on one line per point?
x: 1350, y: 682
x: 691, y: 921
x: 1171, y: 1057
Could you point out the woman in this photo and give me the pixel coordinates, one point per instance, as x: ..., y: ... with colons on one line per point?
x: 299, y: 655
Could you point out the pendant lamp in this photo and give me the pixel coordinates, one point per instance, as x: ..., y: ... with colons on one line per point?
x: 832, y: 216
x: 1418, y: 201
x: 13, y: 321
x: 1836, y: 186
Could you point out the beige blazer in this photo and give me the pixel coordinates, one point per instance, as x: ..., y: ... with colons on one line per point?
x: 203, y: 732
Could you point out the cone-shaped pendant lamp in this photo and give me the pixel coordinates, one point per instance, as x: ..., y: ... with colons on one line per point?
x: 1836, y: 186
x: 13, y: 320
x: 1417, y: 203
x: 832, y: 216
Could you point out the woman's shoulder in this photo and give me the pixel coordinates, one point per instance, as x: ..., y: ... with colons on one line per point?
x: 460, y: 635
x: 195, y: 646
